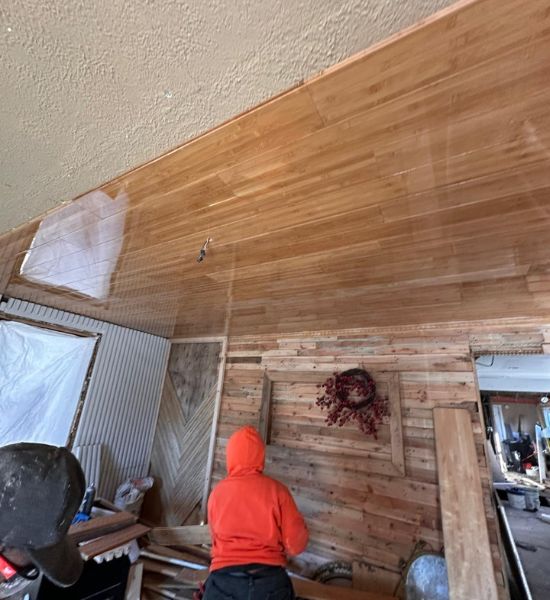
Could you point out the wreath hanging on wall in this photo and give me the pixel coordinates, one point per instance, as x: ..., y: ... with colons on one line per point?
x: 351, y: 396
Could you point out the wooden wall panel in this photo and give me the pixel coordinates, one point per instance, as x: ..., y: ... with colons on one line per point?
x: 180, y: 449
x: 409, y: 184
x: 355, y: 507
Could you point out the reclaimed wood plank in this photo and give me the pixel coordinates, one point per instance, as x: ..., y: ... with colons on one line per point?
x: 467, y: 549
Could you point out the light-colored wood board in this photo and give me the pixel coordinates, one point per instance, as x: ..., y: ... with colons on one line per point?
x: 107, y: 542
x: 214, y: 430
x: 133, y: 586
x: 175, y: 536
x: 467, y: 549
x: 396, y: 426
x: 312, y: 590
x: 199, y: 555
x: 99, y: 526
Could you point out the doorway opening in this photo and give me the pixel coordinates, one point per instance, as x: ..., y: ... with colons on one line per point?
x: 515, y: 392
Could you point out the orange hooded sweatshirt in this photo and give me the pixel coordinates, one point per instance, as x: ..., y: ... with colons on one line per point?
x: 252, y: 518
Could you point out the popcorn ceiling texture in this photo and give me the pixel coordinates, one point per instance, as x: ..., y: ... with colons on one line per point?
x: 93, y: 89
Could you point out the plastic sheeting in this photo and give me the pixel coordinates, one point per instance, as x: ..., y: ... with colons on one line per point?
x: 41, y: 377
x: 77, y: 248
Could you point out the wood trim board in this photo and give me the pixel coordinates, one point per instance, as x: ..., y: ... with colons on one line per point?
x: 214, y: 431
x: 265, y: 409
x: 175, y: 536
x: 312, y: 590
x: 112, y: 540
x: 467, y: 547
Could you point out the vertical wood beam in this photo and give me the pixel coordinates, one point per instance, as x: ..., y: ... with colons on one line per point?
x: 264, y: 427
x: 465, y: 533
x: 396, y: 426
x: 214, y: 431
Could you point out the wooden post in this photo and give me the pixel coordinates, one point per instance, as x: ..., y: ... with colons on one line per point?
x: 214, y: 431
x: 467, y: 548
x: 264, y: 427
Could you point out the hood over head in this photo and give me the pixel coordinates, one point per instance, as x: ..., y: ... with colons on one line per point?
x: 245, y: 452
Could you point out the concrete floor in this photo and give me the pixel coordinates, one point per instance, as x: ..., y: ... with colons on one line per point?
x: 527, y: 528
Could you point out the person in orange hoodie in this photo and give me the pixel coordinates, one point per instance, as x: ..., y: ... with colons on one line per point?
x: 255, y: 525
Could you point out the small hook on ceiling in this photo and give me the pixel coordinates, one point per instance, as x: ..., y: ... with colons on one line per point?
x: 202, y: 253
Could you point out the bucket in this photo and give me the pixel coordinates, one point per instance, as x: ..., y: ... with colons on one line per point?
x: 532, y: 500
x: 516, y: 498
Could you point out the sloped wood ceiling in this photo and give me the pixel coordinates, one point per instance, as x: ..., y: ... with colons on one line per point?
x: 410, y: 184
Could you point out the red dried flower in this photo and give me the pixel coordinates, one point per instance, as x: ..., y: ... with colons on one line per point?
x: 351, y: 395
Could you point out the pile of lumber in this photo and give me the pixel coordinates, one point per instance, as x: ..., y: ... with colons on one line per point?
x: 176, y: 561
x: 104, y: 537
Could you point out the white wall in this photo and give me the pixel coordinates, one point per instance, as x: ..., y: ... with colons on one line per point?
x: 121, y: 407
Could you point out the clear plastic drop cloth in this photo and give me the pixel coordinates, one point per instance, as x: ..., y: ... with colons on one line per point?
x: 77, y: 247
x: 42, y: 373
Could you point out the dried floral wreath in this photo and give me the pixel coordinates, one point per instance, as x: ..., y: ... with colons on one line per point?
x: 351, y: 395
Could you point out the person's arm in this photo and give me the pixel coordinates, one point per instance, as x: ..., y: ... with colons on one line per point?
x: 293, y: 527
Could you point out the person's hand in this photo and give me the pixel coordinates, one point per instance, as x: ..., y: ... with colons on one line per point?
x: 198, y: 595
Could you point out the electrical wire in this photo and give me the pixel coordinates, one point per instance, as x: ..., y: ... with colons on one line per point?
x: 484, y: 365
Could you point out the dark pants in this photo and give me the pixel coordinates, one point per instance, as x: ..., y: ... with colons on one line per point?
x: 249, y: 582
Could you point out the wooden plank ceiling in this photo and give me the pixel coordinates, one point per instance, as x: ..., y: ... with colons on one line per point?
x: 407, y: 185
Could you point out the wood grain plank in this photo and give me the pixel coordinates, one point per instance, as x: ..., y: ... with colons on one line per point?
x: 99, y: 526
x: 317, y: 591
x: 175, y: 536
x: 112, y: 540
x: 396, y: 426
x: 135, y: 577
x: 467, y: 549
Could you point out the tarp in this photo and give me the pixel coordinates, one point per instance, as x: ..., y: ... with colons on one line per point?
x: 42, y: 373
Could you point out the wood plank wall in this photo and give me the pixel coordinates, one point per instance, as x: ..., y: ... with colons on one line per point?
x: 356, y: 511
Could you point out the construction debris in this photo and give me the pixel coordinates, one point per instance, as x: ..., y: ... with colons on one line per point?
x: 177, y: 562
x: 173, y: 562
x: 94, y: 528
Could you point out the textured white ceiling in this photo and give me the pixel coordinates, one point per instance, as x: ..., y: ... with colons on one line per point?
x: 90, y: 90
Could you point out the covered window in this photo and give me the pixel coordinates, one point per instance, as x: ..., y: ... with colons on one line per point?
x: 42, y: 373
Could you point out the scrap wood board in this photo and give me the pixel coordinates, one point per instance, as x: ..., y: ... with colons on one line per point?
x: 175, y: 536
x: 107, y: 542
x: 135, y: 577
x: 94, y: 528
x: 311, y: 590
